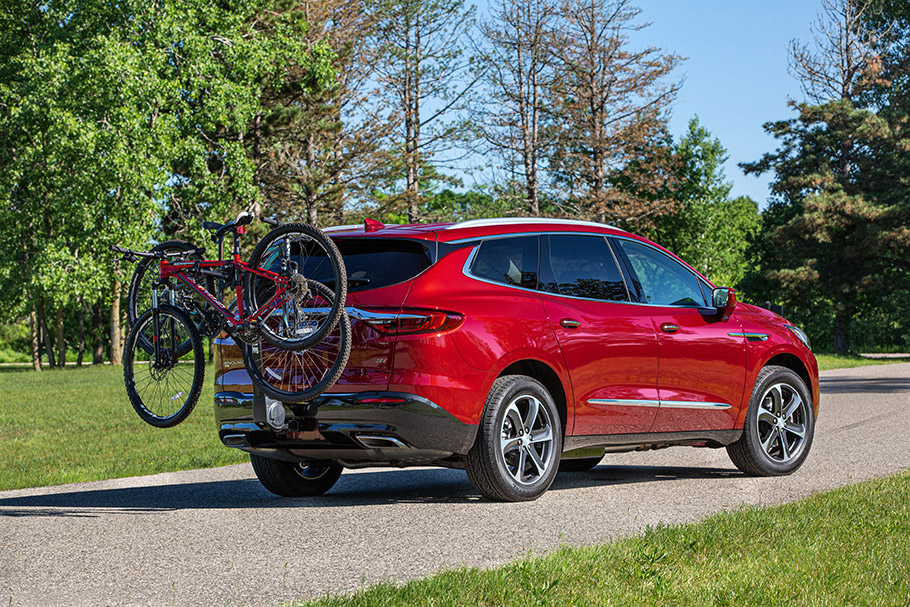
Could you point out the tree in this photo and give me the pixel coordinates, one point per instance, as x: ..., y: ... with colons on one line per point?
x: 837, y: 231
x: 517, y: 70
x: 709, y: 229
x: 424, y: 70
x: 607, y: 103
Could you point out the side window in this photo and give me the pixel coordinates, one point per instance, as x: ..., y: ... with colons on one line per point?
x: 510, y: 261
x: 583, y: 266
x: 662, y: 280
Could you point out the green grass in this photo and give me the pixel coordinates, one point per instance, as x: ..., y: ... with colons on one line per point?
x: 77, y: 424
x: 826, y: 362
x: 850, y: 546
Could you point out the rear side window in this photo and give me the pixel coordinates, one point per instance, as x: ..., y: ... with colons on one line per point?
x: 372, y: 263
x: 509, y: 261
x: 583, y: 266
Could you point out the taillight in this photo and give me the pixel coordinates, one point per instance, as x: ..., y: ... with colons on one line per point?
x: 410, y: 321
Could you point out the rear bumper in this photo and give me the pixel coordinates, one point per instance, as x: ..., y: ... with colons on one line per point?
x: 365, y: 427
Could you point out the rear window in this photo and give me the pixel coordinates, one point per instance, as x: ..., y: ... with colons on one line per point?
x: 509, y: 261
x: 372, y: 263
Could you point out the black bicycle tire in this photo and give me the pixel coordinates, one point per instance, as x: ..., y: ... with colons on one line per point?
x: 320, y: 387
x: 198, y: 369
x: 340, y: 291
x: 132, y: 299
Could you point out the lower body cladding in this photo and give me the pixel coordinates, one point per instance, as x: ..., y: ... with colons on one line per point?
x: 398, y: 429
x: 356, y: 430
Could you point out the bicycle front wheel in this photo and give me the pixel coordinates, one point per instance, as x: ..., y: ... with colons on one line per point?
x: 139, y: 296
x: 317, y: 286
x: 164, y: 382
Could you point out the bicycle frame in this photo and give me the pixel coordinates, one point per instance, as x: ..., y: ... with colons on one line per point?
x: 179, y: 271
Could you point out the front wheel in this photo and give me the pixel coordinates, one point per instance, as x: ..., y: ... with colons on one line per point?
x: 313, y: 300
x: 516, y: 454
x: 779, y: 426
x: 163, y: 383
x: 292, y: 479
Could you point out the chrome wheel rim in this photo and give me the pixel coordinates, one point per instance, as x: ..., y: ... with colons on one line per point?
x: 781, y: 422
x: 526, y: 440
x: 312, y: 472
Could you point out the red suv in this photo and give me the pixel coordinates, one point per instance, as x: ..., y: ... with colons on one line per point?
x: 514, y: 348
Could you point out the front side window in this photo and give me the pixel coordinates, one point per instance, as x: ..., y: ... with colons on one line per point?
x: 661, y: 279
x: 509, y: 261
x: 583, y: 266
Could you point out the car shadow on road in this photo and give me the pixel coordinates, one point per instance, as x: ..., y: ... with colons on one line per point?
x: 856, y: 385
x: 380, y: 487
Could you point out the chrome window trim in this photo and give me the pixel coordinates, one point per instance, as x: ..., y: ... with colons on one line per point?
x: 465, y: 269
x: 671, y: 404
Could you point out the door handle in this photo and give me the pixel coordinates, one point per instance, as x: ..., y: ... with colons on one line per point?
x: 669, y: 327
x: 568, y: 323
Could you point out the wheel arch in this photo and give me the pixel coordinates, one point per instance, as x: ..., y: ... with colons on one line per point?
x: 788, y: 361
x: 546, y: 375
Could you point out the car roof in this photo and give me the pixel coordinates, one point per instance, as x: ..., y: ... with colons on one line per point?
x: 471, y: 229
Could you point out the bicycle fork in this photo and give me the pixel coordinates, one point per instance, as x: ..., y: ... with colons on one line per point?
x: 156, y: 323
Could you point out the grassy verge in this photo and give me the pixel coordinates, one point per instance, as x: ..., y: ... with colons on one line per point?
x: 826, y: 362
x: 76, y: 424
x: 844, y: 547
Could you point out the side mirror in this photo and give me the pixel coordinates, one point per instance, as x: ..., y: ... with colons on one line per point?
x: 724, y: 299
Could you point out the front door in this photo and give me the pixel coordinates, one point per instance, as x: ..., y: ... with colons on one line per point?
x: 702, y: 352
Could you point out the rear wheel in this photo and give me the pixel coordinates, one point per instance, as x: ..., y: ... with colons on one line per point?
x: 515, y: 456
x: 779, y: 426
x: 292, y: 479
x: 163, y: 383
x: 296, y: 376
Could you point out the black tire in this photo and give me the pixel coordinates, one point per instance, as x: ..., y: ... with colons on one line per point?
x: 320, y: 365
x: 318, y: 261
x: 779, y: 426
x: 165, y: 392
x: 139, y: 296
x: 579, y: 464
x: 509, y: 472
x: 290, y: 479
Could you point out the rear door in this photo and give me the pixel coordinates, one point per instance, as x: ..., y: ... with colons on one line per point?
x: 702, y: 352
x: 609, y: 346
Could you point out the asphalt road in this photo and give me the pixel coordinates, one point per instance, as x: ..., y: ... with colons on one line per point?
x: 215, y: 537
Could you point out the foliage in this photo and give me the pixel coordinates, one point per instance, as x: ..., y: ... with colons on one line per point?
x: 839, y: 229
x: 424, y: 73
x: 607, y: 104
x: 710, y: 230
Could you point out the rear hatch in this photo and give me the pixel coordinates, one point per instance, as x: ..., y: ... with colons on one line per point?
x: 380, y: 273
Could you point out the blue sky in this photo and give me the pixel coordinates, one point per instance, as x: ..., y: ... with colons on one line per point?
x: 736, y: 71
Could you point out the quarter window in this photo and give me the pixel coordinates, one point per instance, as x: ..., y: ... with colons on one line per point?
x: 510, y: 261
x: 583, y: 266
x: 662, y: 280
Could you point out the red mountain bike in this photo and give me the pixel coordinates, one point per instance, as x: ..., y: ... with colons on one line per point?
x: 287, y: 317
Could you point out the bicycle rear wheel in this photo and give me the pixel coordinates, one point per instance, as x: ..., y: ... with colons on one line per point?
x: 163, y: 384
x: 296, y: 376
x: 317, y: 286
